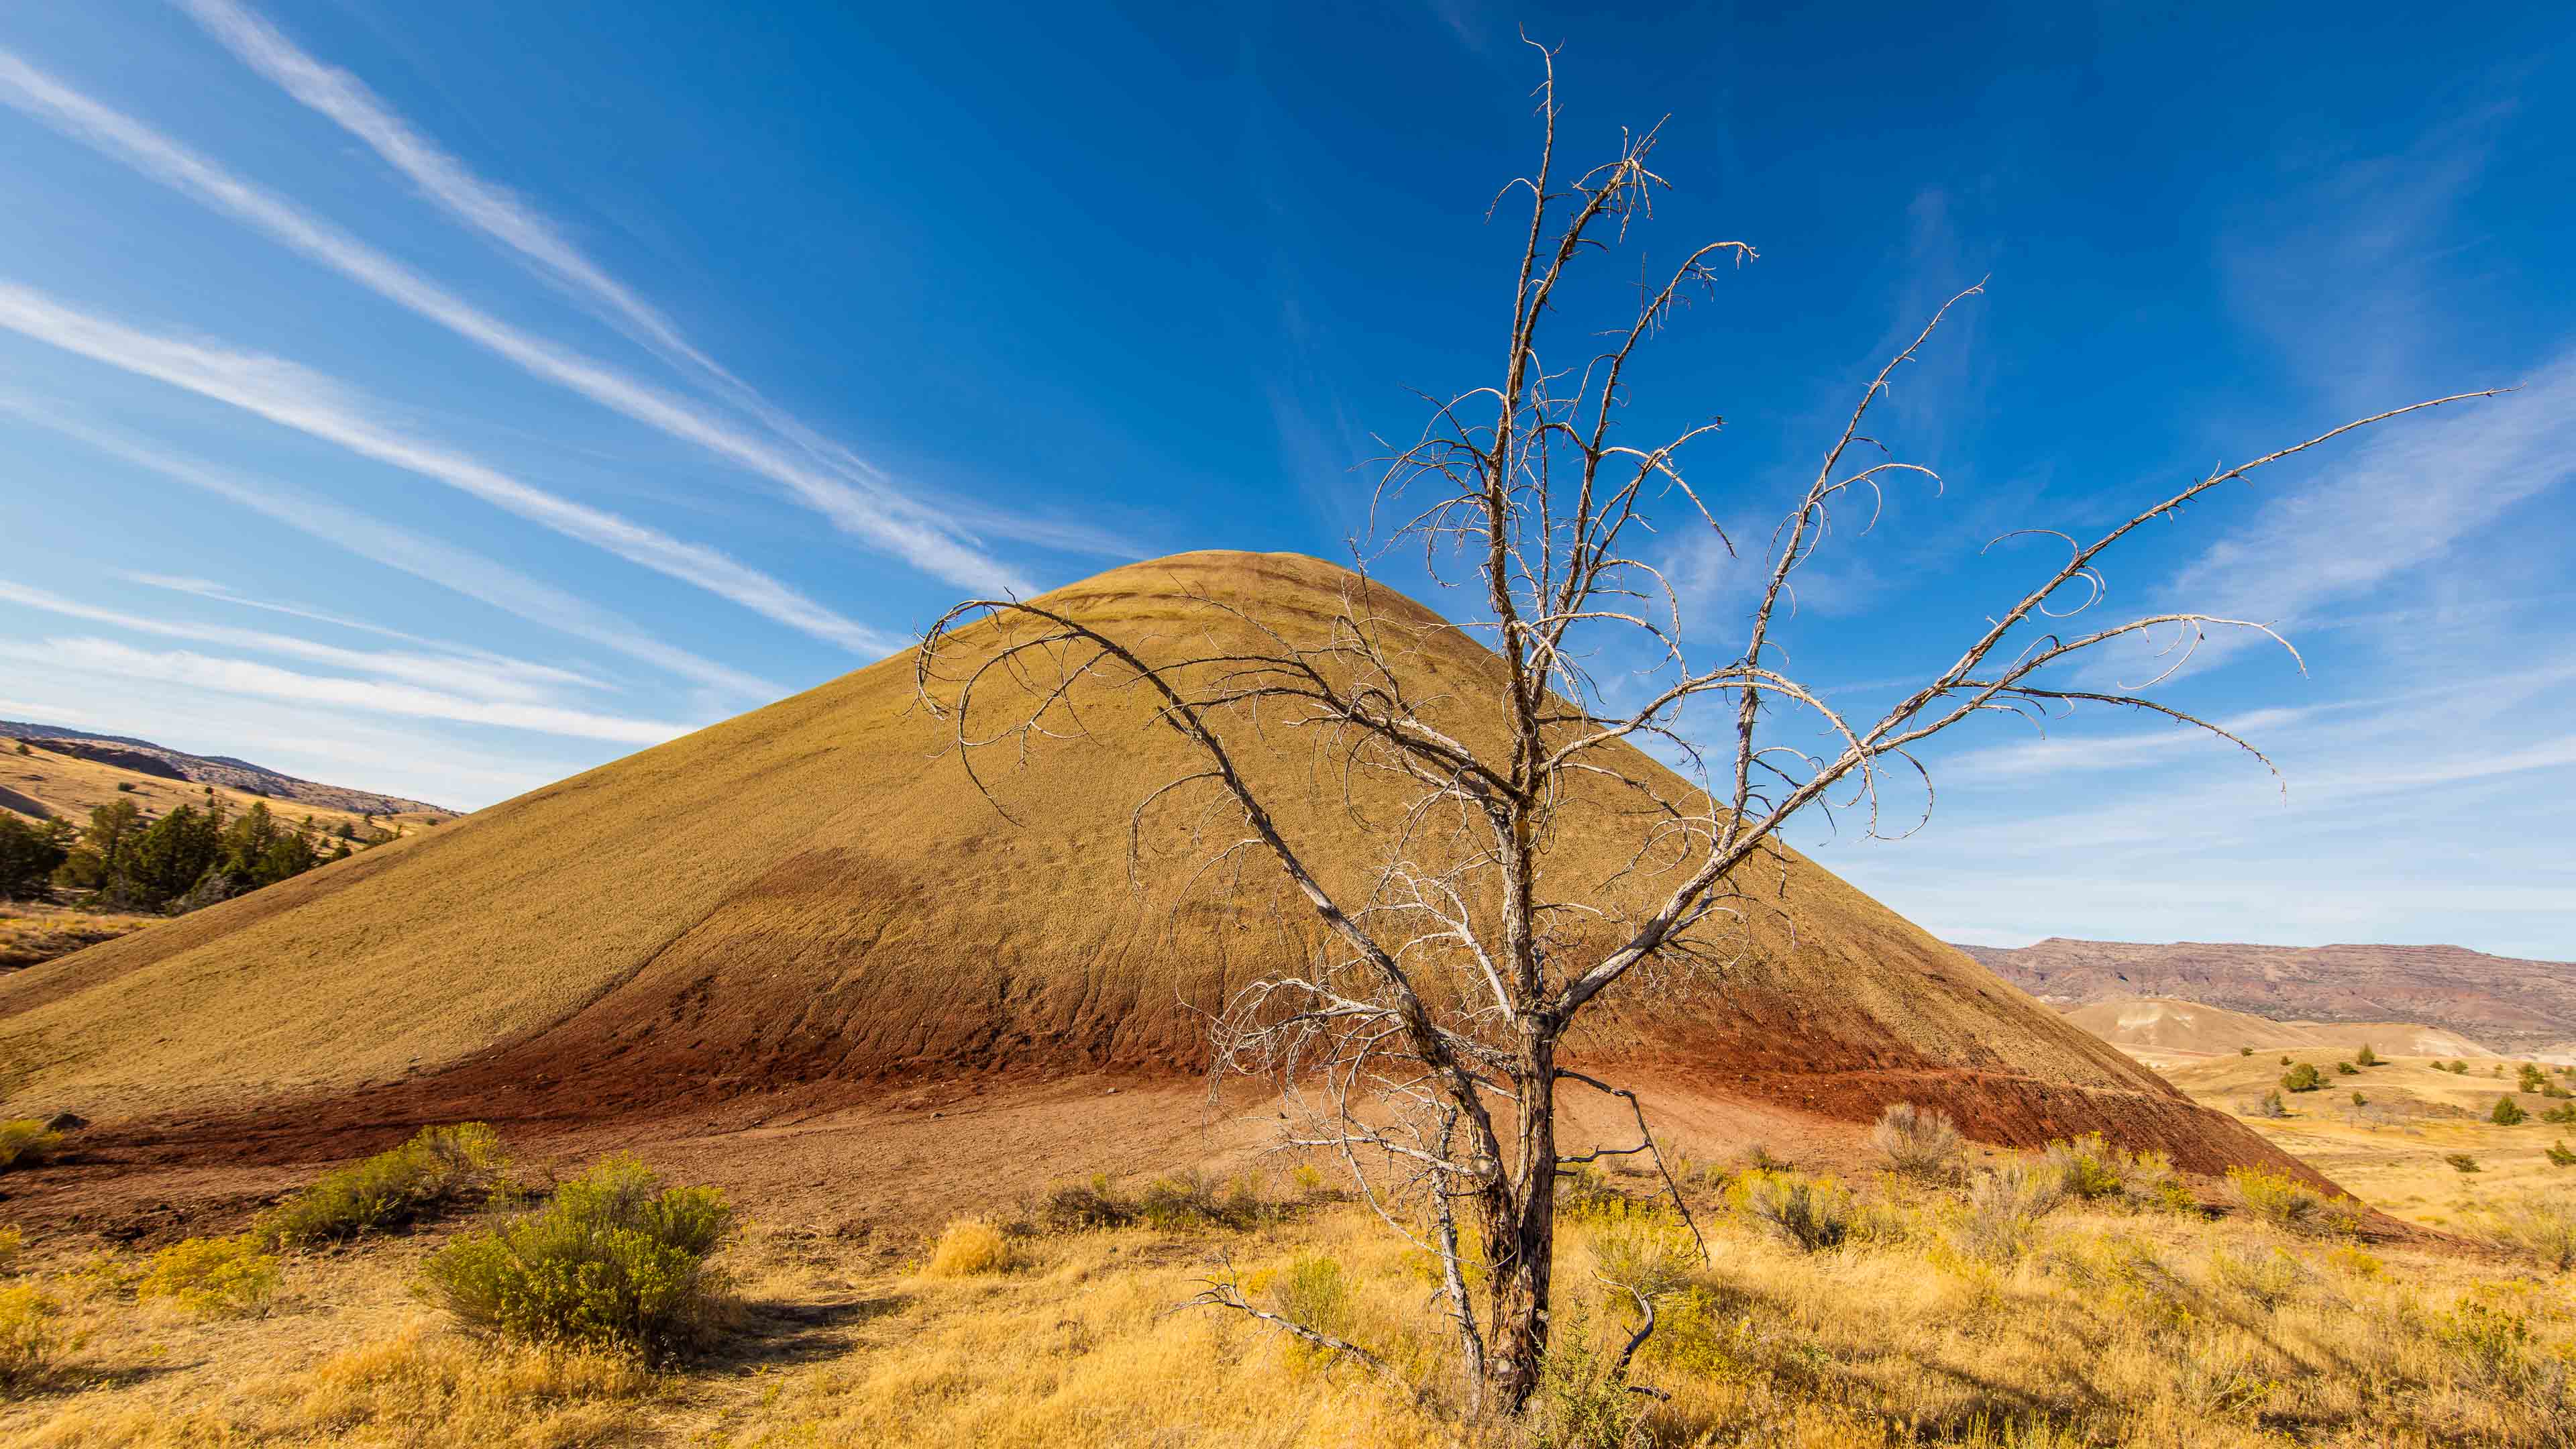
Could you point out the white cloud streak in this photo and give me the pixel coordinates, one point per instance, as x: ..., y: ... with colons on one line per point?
x: 495, y: 679
x: 892, y: 524
x: 536, y: 240
x: 2034, y: 758
x: 214, y: 592
x: 445, y: 565
x: 295, y: 397
x: 265, y: 681
x: 2407, y: 497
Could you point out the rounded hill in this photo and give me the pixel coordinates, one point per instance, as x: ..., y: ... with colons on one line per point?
x: 812, y: 899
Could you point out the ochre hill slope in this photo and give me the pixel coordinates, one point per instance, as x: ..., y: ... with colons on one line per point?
x: 811, y: 900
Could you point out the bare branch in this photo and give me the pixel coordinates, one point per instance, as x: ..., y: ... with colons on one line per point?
x: 1413, y: 1033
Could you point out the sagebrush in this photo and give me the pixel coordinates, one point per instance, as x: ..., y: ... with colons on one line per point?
x: 617, y: 1259
x: 438, y: 1167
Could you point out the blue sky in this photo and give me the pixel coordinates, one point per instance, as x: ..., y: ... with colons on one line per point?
x: 443, y: 400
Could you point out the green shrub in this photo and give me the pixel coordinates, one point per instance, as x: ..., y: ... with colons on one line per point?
x: 2463, y: 1164
x: 2508, y: 1113
x: 2533, y: 1079
x: 437, y: 1167
x: 2283, y: 1202
x: 617, y: 1260
x: 2559, y: 1156
x: 2366, y: 1057
x: 221, y: 1277
x: 1315, y: 1292
x: 2245, y: 1051
x: 24, y: 1142
x: 2564, y: 1114
x: 2360, y: 1100
x: 2151, y: 1182
x: 2270, y: 1106
x: 2346, y: 1069
x: 1808, y: 1213
x: 1916, y: 1140
x: 2494, y: 1344
x: 2088, y: 1167
x: 27, y: 1338
x: 2301, y: 1078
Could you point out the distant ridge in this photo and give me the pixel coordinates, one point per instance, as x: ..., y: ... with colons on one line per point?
x: 2517, y: 1006
x: 127, y: 752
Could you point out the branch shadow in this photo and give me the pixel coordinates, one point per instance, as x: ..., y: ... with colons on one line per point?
x: 779, y: 1333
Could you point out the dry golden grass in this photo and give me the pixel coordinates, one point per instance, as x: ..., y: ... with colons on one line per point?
x: 968, y: 1247
x: 420, y: 1388
x: 2395, y: 1151
x: 34, y: 932
x: 223, y: 1277
x: 2113, y: 1328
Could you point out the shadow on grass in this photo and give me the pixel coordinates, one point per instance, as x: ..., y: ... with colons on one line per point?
x: 780, y: 1332
x: 65, y: 1382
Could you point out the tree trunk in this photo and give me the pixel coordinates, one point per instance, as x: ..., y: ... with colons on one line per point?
x: 1520, y: 1236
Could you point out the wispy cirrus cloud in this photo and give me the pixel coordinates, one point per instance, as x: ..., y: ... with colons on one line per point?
x: 489, y: 677
x: 2032, y: 759
x: 2414, y: 495
x: 893, y: 524
x: 214, y: 592
x: 296, y: 397
x: 376, y: 696
x: 456, y: 569
x: 2409, y: 495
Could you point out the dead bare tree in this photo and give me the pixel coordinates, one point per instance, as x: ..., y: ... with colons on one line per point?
x: 1421, y: 1043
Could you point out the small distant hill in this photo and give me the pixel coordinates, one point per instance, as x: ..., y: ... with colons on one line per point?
x: 2517, y: 1006
x: 2161, y: 1028
x: 143, y: 757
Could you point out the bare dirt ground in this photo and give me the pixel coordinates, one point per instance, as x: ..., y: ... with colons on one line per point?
x: 894, y: 1156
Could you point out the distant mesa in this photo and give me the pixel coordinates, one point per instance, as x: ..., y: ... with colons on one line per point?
x: 146, y: 758
x: 810, y: 905
x: 2515, y: 1006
